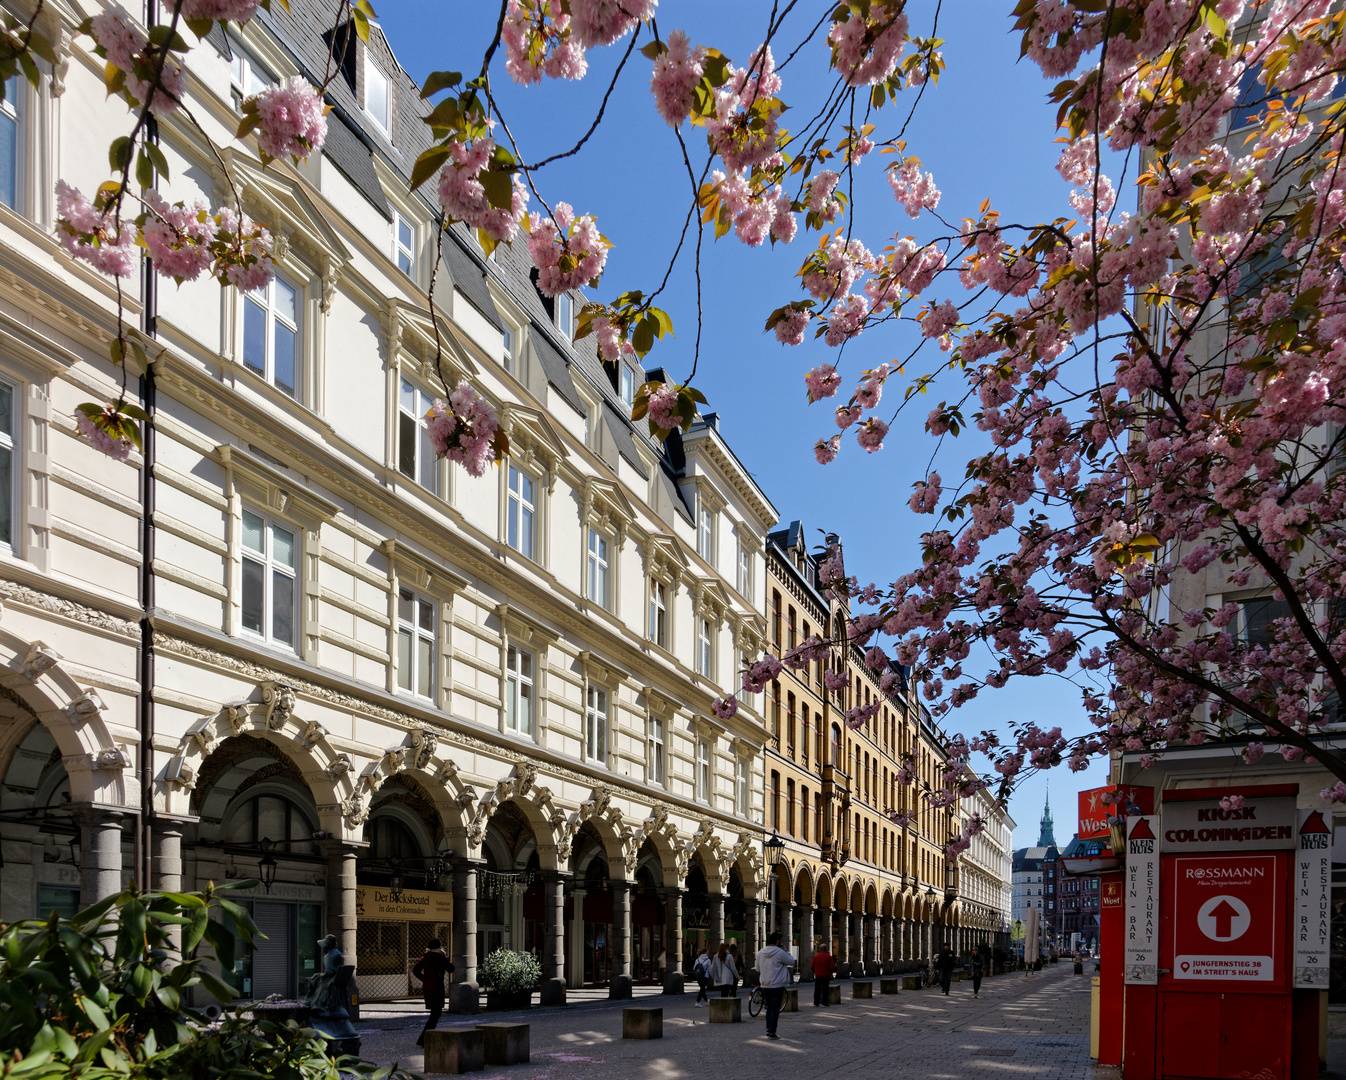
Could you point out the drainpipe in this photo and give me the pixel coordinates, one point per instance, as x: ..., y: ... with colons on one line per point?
x: 143, y: 841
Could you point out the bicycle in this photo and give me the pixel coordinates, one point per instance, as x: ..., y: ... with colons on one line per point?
x: 928, y: 978
x: 756, y: 1002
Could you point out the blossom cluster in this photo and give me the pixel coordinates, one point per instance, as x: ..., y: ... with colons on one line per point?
x: 464, y: 196
x: 465, y: 430
x: 290, y: 119
x: 678, y: 70
x: 146, y: 73
x: 568, y: 251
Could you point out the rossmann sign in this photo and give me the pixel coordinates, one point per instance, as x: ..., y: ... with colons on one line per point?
x: 1192, y: 822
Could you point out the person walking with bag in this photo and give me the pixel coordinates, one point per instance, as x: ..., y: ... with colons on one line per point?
x: 773, y: 969
x: 945, y: 962
x: 823, y: 968
x: 977, y: 971
x: 431, y: 969
x: 701, y: 972
x: 723, y: 972
x: 738, y: 967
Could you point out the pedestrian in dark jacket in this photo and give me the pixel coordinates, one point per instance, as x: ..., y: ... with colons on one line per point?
x: 823, y: 967
x: 945, y: 961
x: 978, y: 970
x: 431, y: 969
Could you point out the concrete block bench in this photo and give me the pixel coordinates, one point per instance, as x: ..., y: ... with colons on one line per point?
x: 455, y: 1052
x: 834, y: 994
x: 911, y: 982
x: 888, y: 986
x: 862, y: 989
x: 790, y: 1002
x: 640, y: 1022
x: 506, y: 1044
x: 726, y: 1010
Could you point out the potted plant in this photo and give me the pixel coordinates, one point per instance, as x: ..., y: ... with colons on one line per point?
x: 509, y: 979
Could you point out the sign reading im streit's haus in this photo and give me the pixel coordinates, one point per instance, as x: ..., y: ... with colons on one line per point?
x: 1195, y: 820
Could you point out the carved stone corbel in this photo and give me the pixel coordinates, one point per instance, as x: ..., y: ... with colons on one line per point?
x: 110, y: 759
x: 236, y: 715
x: 40, y: 659
x: 314, y: 733
x: 423, y: 742
x: 85, y: 707
x: 340, y: 766
x: 279, y: 699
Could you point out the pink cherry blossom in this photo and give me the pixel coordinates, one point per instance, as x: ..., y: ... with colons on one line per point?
x: 93, y: 235
x: 568, y: 251
x: 126, y: 47
x: 871, y: 433
x: 102, y: 441
x: 464, y: 429
x: 663, y: 402
x: 725, y: 708
x: 823, y: 382
x: 538, y: 40
x: 463, y: 195
x: 825, y: 450
x: 914, y: 189
x: 677, y: 72
x: 219, y: 10
x: 601, y: 22
x: 790, y: 330
x: 290, y: 120
x: 178, y: 238
x: 866, y: 49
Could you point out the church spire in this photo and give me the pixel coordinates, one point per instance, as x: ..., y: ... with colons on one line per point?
x: 1046, y: 838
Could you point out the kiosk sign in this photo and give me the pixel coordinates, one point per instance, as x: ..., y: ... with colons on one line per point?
x: 1142, y: 901
x: 1226, y: 923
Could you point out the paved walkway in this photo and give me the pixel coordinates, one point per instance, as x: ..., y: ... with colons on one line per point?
x: 1036, y: 1026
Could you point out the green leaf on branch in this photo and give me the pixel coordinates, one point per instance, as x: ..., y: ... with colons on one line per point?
x: 361, y: 21
x: 428, y: 164
x: 499, y: 187
x: 440, y: 80
x: 653, y: 50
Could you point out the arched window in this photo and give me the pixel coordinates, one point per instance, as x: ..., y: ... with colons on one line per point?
x: 390, y: 838
x: 274, y: 817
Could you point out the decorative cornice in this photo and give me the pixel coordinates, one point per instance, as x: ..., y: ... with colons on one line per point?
x: 12, y: 592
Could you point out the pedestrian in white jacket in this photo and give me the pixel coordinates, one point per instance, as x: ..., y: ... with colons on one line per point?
x: 723, y: 972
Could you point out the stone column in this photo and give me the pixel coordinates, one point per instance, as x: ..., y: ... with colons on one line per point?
x: 341, y: 914
x: 577, y: 896
x: 825, y: 927
x: 673, y: 979
x: 466, y: 994
x: 867, y: 941
x: 752, y: 942
x: 885, y: 950
x: 166, y: 852
x: 787, y: 922
x: 716, y: 920
x: 843, y: 950
x: 100, y: 855
x: 806, y: 944
x: 619, y: 986
x: 554, y: 938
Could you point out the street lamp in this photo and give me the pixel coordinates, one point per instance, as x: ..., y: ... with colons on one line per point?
x: 267, y: 865
x: 773, y: 852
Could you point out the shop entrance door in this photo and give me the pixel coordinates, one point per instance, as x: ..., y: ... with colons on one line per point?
x: 273, y: 960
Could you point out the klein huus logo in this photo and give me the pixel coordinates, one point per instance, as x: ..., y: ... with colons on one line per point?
x: 1142, y: 838
x: 1314, y: 834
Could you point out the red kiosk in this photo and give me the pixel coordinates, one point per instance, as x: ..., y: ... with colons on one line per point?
x: 1224, y: 930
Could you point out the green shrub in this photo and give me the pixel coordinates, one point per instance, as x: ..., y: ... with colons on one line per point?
x: 102, y: 996
x: 509, y: 972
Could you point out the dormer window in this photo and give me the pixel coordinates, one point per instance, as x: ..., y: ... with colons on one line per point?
x: 508, y: 347
x: 376, y: 95
x: 246, y: 76
x: 565, y: 315
x: 628, y: 386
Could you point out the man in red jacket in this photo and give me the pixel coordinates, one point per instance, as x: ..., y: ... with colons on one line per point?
x: 823, y: 968
x: 431, y: 969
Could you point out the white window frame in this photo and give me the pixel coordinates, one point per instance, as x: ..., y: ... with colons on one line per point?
x: 705, y: 647
x: 265, y: 300
x: 598, y: 568
x: 516, y: 681
x: 247, y: 77
x: 12, y: 109
x: 745, y: 572
x: 564, y: 309
x: 656, y: 760
x: 705, y: 772
x: 509, y: 348
x: 385, y: 121
x: 658, y: 613
x: 405, y: 251
x: 705, y: 531
x: 596, y: 724
x: 627, y: 385
x: 413, y: 631
x: 12, y: 444
x: 519, y: 512
x: 412, y: 405
x: 266, y: 559
x: 742, y: 787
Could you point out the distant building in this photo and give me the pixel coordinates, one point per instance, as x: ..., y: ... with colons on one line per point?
x: 1077, y: 899
x: 1033, y: 876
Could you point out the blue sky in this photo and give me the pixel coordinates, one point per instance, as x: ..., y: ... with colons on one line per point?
x: 985, y: 130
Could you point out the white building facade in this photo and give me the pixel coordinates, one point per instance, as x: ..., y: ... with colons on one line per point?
x: 439, y: 705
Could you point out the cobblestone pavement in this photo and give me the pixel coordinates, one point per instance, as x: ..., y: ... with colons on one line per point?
x: 1036, y: 1026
